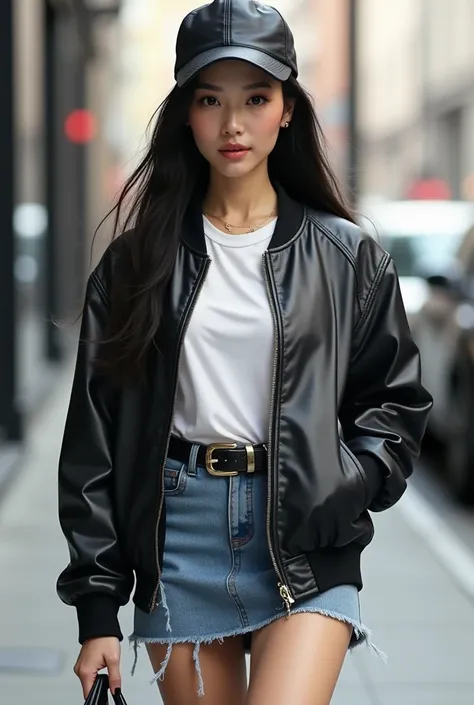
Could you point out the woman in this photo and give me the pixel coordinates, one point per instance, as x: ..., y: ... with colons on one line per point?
x: 246, y: 389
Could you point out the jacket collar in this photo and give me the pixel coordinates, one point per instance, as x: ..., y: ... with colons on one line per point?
x: 290, y: 219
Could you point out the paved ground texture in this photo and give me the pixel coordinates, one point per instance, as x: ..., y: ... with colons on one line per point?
x: 419, y: 614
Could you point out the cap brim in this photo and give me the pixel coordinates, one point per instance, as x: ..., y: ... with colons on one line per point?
x: 258, y: 58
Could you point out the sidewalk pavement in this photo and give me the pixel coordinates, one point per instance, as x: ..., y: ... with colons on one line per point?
x: 416, y: 612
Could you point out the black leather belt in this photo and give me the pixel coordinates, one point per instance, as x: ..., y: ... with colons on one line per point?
x: 222, y: 459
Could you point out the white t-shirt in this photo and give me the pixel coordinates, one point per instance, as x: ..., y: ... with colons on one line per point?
x: 225, y: 373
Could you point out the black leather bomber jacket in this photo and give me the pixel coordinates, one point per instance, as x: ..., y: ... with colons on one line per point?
x: 348, y: 416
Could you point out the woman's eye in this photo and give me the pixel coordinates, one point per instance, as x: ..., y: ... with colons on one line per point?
x: 209, y: 101
x: 258, y: 100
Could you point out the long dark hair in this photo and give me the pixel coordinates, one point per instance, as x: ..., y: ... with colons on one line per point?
x: 157, y: 195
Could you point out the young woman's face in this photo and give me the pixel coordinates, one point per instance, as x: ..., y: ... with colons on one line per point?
x: 237, y: 105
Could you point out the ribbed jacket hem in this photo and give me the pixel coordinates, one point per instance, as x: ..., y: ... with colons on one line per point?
x: 336, y: 566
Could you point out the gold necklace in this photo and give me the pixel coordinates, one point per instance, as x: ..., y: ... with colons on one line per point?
x: 252, y: 229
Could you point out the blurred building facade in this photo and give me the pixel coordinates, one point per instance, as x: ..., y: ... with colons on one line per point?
x: 416, y: 96
x: 330, y: 83
x: 53, y: 175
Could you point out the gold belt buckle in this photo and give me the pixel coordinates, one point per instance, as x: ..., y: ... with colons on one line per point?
x: 210, y: 460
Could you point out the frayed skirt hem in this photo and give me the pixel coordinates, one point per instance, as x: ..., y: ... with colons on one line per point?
x: 361, y: 635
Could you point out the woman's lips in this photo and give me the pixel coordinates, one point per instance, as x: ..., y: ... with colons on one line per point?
x: 234, y: 154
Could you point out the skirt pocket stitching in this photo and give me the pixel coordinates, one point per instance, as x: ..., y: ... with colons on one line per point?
x: 179, y: 478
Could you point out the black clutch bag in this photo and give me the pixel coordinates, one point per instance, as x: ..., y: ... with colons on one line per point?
x: 99, y: 692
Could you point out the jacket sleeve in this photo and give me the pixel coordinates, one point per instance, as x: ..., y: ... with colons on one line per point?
x: 385, y: 407
x: 97, y: 580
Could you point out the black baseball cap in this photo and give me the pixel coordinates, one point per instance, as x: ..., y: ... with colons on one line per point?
x: 235, y: 29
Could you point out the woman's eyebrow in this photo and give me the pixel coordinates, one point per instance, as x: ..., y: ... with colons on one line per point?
x: 259, y: 84
x: 209, y: 87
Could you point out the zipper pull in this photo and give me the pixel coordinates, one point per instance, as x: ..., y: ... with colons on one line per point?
x: 286, y: 597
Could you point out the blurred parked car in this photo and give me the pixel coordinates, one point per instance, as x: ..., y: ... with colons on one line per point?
x: 421, y: 236
x: 435, y: 262
x: 445, y: 335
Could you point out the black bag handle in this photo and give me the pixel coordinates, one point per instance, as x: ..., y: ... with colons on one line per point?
x: 99, y: 692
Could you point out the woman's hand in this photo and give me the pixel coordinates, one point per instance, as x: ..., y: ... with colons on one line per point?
x: 96, y: 654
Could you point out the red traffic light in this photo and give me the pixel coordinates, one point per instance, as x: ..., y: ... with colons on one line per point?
x: 80, y: 126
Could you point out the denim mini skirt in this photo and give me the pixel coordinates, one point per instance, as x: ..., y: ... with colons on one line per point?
x: 218, y: 578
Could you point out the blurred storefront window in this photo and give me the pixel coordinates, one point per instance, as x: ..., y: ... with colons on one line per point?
x: 57, y: 61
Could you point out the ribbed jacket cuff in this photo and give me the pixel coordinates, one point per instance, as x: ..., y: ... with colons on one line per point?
x: 97, y: 615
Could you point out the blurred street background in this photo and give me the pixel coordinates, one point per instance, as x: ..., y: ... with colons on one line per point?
x: 393, y: 83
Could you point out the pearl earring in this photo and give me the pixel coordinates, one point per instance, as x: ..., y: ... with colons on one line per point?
x: 287, y: 124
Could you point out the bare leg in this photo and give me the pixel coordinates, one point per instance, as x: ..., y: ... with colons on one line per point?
x: 223, y: 672
x: 297, y: 660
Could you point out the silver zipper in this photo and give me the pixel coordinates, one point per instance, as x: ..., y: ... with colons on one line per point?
x: 202, y: 275
x: 283, y: 589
